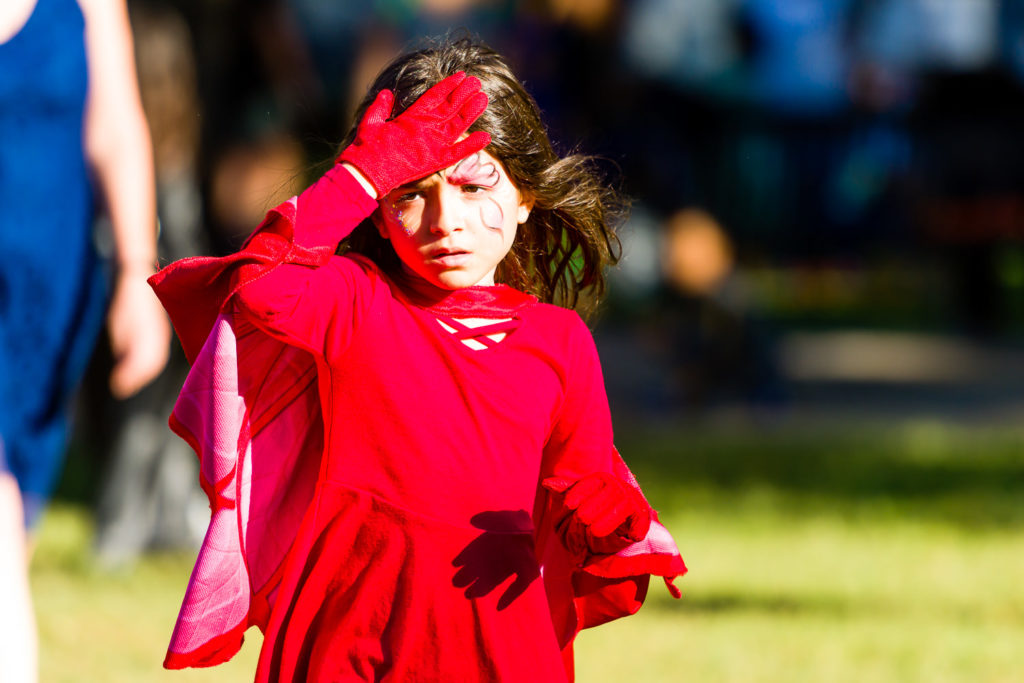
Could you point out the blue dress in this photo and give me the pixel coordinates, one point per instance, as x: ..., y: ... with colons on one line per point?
x: 51, y: 286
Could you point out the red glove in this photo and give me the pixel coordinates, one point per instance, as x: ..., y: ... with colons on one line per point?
x: 422, y: 139
x: 603, y: 514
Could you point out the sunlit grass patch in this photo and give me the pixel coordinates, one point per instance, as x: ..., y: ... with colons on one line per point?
x: 824, y: 600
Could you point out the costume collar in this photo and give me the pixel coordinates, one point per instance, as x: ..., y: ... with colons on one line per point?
x: 491, y: 301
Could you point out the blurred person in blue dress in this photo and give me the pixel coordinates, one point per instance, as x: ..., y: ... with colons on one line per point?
x: 71, y: 127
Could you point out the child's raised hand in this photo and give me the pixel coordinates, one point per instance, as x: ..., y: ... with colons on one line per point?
x: 422, y: 139
x: 602, y: 513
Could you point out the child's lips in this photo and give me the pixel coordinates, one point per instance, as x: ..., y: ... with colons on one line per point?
x: 451, y: 258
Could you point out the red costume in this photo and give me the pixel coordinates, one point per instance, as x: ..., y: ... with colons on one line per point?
x: 404, y: 535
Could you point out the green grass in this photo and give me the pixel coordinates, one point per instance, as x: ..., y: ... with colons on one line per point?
x: 883, y: 553
x: 111, y: 627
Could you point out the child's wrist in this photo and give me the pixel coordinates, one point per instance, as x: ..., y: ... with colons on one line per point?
x: 361, y: 179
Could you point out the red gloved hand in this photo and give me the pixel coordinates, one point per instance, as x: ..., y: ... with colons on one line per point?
x: 604, y: 514
x: 422, y: 139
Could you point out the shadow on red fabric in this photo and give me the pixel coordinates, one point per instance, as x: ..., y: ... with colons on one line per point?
x: 504, y: 550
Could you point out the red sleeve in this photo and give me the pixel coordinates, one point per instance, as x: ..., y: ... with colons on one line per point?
x: 303, y: 230
x: 307, y: 296
x: 581, y: 437
x: 581, y: 443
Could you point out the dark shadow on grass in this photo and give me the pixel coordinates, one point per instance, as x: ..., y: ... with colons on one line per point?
x: 769, y: 605
x: 971, y: 478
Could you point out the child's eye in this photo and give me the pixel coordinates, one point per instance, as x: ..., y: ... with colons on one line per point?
x: 408, y: 197
x: 473, y: 189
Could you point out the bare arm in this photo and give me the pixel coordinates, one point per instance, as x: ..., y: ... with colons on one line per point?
x: 119, y: 151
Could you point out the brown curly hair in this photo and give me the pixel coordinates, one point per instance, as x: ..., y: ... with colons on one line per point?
x: 560, y: 253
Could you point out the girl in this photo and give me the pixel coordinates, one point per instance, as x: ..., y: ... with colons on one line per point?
x: 407, y: 448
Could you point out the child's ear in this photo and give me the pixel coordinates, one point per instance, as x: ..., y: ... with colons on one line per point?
x: 525, y: 207
x: 378, y: 222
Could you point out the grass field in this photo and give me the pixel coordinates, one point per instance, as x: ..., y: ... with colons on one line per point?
x: 884, y: 553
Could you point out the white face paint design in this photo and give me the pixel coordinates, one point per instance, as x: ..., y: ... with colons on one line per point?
x: 474, y: 171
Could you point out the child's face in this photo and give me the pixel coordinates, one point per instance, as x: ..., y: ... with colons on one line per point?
x: 452, y: 228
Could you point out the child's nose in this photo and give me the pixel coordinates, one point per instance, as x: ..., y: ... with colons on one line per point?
x: 447, y: 216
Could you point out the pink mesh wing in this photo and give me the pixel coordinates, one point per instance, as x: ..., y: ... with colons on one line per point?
x: 251, y: 411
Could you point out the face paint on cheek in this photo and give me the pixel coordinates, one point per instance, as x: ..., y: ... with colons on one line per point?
x: 492, y: 216
x: 396, y: 215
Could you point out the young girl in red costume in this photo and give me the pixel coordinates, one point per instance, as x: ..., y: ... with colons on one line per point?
x: 407, y: 447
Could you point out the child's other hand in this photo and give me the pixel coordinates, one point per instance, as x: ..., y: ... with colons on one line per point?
x: 422, y: 139
x: 602, y: 514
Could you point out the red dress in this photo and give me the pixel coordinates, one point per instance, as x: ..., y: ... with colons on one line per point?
x: 419, y: 555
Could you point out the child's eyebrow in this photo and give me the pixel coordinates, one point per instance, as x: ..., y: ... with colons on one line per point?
x: 415, y: 185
